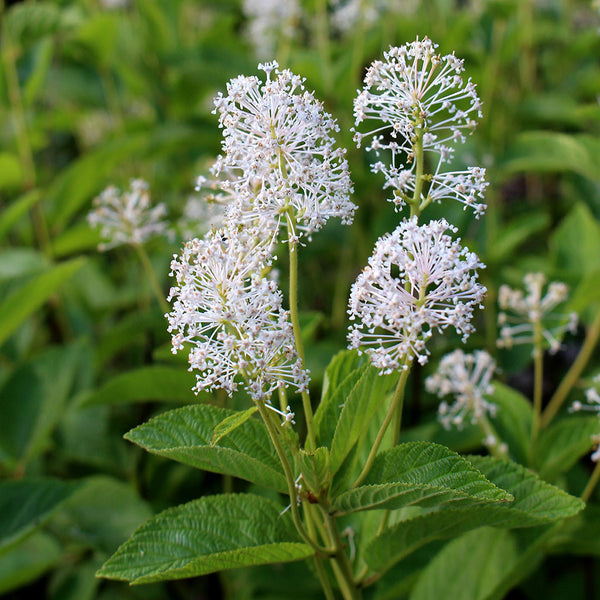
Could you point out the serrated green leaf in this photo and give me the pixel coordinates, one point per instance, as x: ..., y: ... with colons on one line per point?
x: 420, y: 474
x: 28, y: 561
x: 536, y: 503
x: 561, y: 445
x: 228, y: 424
x: 185, y: 435
x: 204, y: 536
x: 23, y: 302
x: 359, y: 407
x: 26, y: 505
x: 314, y: 467
x: 159, y: 383
x: 513, y: 420
x: 340, y: 376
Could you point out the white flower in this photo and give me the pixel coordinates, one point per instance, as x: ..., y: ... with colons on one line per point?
x: 278, y: 149
x: 127, y: 218
x: 419, y: 100
x: 418, y: 279
x: 527, y: 311
x: 232, y: 317
x: 269, y: 21
x: 467, y: 378
x: 592, y: 404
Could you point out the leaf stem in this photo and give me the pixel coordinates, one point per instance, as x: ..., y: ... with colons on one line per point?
x: 156, y: 288
x: 538, y: 380
x: 395, y: 409
x: 573, y: 374
x: 289, y: 477
x: 293, y: 248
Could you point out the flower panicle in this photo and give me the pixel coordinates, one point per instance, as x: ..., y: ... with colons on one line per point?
x: 128, y: 217
x: 418, y: 280
x: 522, y: 311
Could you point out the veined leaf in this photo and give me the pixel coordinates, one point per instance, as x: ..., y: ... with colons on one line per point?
x: 185, y: 435
x: 536, y: 503
x: 359, y: 407
x: 341, y: 375
x: 315, y: 469
x: 228, y: 424
x: 204, y: 536
x: 156, y: 382
x: 28, y: 298
x: 420, y: 474
x: 26, y: 505
x: 561, y: 445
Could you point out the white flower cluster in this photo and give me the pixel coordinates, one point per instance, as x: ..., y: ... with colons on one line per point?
x: 421, y: 105
x: 127, y: 218
x: 467, y: 377
x: 269, y: 21
x: 592, y: 404
x: 232, y: 317
x: 522, y: 312
x: 417, y: 280
x: 279, y: 155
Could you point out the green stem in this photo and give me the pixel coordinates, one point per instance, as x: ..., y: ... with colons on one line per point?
x: 589, y: 488
x: 340, y: 563
x: 489, y: 431
x: 322, y: 30
x: 308, y: 412
x: 289, y: 477
x: 415, y: 206
x: 566, y: 385
x: 318, y: 561
x: 154, y: 283
x: 395, y: 409
x: 538, y: 380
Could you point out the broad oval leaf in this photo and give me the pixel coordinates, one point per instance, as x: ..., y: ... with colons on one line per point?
x: 561, y: 445
x: 420, y: 474
x: 204, y: 536
x: 536, y: 503
x: 185, y: 435
x: 27, y: 504
x: 157, y: 382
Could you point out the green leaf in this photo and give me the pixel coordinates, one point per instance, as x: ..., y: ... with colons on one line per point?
x: 549, y: 151
x: 103, y: 513
x: 561, y: 445
x: 359, y: 407
x: 185, y: 435
x: 32, y: 401
x: 23, y: 302
x: 340, y: 377
x: 513, y: 420
x: 474, y: 567
x: 580, y: 535
x: 515, y: 233
x: 11, y: 172
x: 16, y: 210
x: 26, y: 505
x: 159, y: 383
x: 19, y: 263
x: 28, y: 561
x: 205, y: 536
x: 230, y: 423
x: 420, y: 474
x: 575, y: 244
x: 536, y: 503
x: 314, y: 467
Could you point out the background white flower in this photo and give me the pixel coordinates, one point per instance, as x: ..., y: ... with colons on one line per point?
x: 127, y: 218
